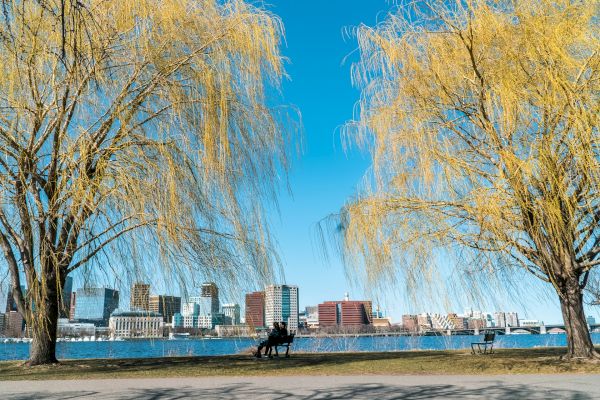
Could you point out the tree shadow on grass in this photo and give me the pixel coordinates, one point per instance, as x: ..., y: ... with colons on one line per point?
x: 485, y: 390
x: 505, y: 360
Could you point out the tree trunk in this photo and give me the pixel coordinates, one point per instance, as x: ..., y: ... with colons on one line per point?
x: 579, y: 341
x: 43, y: 325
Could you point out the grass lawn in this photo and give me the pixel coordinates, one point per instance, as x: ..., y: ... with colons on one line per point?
x: 503, y: 361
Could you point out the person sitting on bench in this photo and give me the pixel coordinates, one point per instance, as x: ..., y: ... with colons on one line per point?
x: 283, y: 332
x: 272, y: 340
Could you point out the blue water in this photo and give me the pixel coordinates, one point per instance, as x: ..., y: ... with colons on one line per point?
x: 203, y: 347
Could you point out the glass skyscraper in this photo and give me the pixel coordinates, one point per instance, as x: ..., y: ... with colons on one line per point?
x: 95, y: 305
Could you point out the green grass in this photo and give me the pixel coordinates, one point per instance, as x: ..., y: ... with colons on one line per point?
x: 504, y: 361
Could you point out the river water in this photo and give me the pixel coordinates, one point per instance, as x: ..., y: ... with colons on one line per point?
x: 203, y: 347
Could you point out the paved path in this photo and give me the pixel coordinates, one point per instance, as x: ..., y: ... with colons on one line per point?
x: 575, y: 387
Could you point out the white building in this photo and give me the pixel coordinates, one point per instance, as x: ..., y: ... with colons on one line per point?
x: 531, y: 322
x: 512, y: 320
x: 70, y: 329
x: 232, y: 311
x: 281, y: 304
x: 132, y: 324
x: 500, y: 319
x: 190, y: 308
x: 441, y: 322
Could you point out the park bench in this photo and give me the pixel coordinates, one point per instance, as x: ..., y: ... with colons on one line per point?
x: 488, y: 342
x: 284, y: 342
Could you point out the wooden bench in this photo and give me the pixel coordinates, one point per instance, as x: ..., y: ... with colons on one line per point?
x: 488, y: 342
x: 284, y: 342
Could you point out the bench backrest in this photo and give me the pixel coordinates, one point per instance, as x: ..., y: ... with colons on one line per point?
x: 489, y: 337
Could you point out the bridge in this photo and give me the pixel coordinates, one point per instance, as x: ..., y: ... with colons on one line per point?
x: 527, y: 329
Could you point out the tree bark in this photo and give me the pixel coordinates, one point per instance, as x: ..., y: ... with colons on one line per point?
x: 579, y: 341
x: 43, y: 324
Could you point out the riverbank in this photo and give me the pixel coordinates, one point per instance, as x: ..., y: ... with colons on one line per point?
x: 504, y: 361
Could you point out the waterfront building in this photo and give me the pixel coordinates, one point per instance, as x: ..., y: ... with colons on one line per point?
x: 382, y: 323
x: 345, y: 313
x: 94, y: 305
x: 356, y: 313
x: 177, y: 321
x: 489, y: 320
x: 136, y: 324
x: 232, y: 313
x: 424, y: 322
x: 190, y: 308
x: 500, y: 319
x: 281, y: 304
x: 255, y: 309
x: 512, y: 319
x: 140, y: 297
x: 10, y: 302
x: 14, y: 324
x: 3, y: 323
x: 210, y: 292
x: 476, y: 323
x: 312, y: 317
x: 530, y: 322
x: 410, y: 322
x: 441, y: 322
x: 458, y: 321
x: 65, y: 307
x: 72, y: 306
x: 74, y: 329
x: 233, y: 330
x: 167, y: 306
x: 328, y: 314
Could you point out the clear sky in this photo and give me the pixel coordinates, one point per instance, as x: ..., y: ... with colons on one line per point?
x: 325, y: 175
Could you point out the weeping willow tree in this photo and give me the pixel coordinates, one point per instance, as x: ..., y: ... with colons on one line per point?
x: 482, y: 118
x: 134, y: 123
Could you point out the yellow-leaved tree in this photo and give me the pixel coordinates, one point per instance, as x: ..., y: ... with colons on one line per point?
x: 482, y: 118
x: 139, y: 122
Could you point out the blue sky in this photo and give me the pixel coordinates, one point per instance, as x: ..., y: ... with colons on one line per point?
x: 325, y: 175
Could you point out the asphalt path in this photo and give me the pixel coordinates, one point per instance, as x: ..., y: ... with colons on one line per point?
x: 576, y: 387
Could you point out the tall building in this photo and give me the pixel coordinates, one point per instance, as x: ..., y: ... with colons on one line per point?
x: 345, y: 313
x: 329, y: 314
x: 424, y: 321
x: 10, y: 302
x: 95, y: 305
x: 14, y: 324
x: 167, y: 306
x: 66, y: 297
x: 232, y: 312
x: 410, y: 323
x: 140, y: 297
x: 281, y: 304
x: 512, y: 319
x: 255, y: 309
x: 72, y: 306
x: 3, y: 323
x: 458, y: 321
x: 500, y: 319
x: 355, y: 313
x: 209, y: 290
